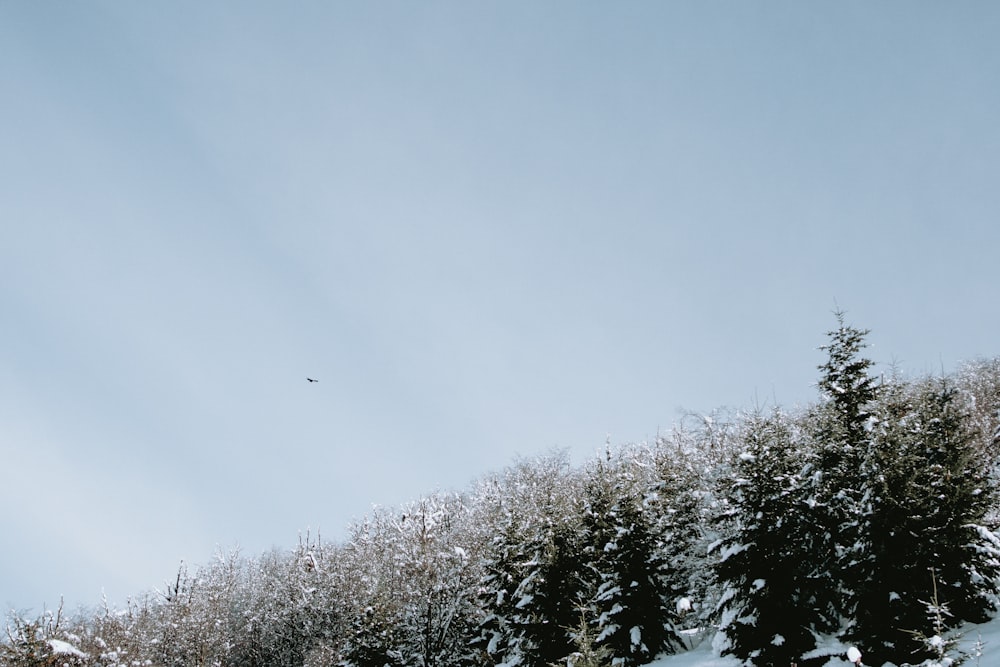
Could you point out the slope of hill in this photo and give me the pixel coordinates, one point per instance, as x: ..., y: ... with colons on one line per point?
x: 980, y: 643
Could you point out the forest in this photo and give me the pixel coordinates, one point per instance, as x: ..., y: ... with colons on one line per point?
x: 869, y: 516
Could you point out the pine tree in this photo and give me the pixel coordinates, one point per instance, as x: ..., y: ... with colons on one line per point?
x: 500, y: 636
x: 550, y: 596
x: 929, y: 496
x: 623, y: 554
x: 763, y: 560
x: 959, y: 494
x: 838, y: 497
x: 889, y: 606
x: 533, y: 565
x: 587, y: 653
x: 681, y: 497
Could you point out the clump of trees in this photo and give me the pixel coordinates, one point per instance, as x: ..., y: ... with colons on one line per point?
x: 846, y: 518
x: 770, y: 529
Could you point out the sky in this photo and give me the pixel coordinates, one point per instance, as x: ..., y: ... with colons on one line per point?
x: 491, y: 231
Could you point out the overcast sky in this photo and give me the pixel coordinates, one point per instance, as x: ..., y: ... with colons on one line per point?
x: 488, y: 230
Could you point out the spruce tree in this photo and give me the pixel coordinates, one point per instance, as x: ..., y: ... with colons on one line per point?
x: 838, y: 497
x: 500, y: 634
x: 533, y: 582
x: 959, y: 494
x: 681, y: 498
x: 762, y: 562
x: 547, y: 600
x: 626, y: 565
x: 927, y: 495
x: 889, y: 607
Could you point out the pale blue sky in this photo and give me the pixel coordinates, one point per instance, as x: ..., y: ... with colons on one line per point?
x: 489, y: 229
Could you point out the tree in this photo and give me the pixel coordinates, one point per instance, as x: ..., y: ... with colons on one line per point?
x: 681, y: 498
x: 836, y: 474
x: 532, y: 575
x: 551, y: 594
x: 439, y: 614
x: 500, y: 635
x: 624, y: 557
x: 958, y: 494
x: 889, y: 607
x: 763, y: 562
x: 40, y: 642
x: 930, y: 493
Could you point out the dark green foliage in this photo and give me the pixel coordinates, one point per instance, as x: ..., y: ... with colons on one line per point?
x: 551, y: 594
x: 837, y: 474
x: 889, y: 606
x: 848, y: 392
x: 374, y: 638
x: 533, y: 564
x: 500, y: 635
x: 627, y: 570
x: 764, y: 559
x: 679, y: 502
x: 930, y: 495
x: 957, y: 494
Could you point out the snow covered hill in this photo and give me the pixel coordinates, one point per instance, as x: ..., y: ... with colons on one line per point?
x: 981, y: 643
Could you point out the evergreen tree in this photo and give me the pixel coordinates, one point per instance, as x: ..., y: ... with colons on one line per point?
x: 532, y: 574
x: 958, y: 496
x: 837, y: 495
x: 889, y: 607
x: 763, y: 560
x: 375, y: 637
x: 587, y: 653
x: 681, y: 497
x: 930, y: 494
x: 628, y: 599
x: 550, y: 594
x: 500, y: 636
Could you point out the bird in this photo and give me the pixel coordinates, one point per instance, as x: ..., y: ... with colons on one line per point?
x: 311, y: 380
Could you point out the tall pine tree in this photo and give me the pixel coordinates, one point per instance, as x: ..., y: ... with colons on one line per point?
x: 628, y: 599
x: 838, y: 497
x: 766, y: 618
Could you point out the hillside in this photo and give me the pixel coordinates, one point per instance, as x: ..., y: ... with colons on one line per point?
x: 980, y: 643
x: 869, y: 517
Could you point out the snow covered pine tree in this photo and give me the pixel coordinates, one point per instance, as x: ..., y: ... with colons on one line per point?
x: 628, y: 606
x: 763, y: 559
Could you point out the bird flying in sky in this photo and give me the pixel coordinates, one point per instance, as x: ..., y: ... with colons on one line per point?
x: 311, y: 380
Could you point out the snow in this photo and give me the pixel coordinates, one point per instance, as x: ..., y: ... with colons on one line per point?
x: 609, y: 629
x: 60, y: 647
x: 730, y: 551
x: 986, y: 635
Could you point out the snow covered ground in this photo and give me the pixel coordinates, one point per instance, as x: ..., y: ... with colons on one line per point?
x: 986, y: 635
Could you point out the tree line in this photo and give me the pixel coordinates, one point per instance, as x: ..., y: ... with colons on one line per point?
x: 868, y: 516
